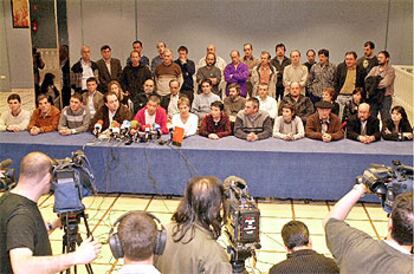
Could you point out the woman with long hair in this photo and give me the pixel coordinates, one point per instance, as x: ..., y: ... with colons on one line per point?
x: 397, y: 128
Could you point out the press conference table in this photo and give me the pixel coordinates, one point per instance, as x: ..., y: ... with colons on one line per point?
x: 304, y: 169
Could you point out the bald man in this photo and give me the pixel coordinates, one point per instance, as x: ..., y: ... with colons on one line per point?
x: 236, y: 73
x: 82, y: 70
x: 363, y: 127
x: 24, y: 241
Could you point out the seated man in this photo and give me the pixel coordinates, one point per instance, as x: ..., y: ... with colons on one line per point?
x: 111, y: 111
x: 288, y: 127
x: 303, y: 105
x: 301, y: 258
x: 234, y: 102
x: 357, y: 252
x: 215, y: 125
x: 142, y: 98
x: 170, y: 103
x: 45, y: 118
x: 92, y: 99
x: 251, y: 123
x: 191, y: 237
x: 74, y: 118
x: 363, y: 127
x: 324, y: 125
x: 16, y: 119
x: 266, y: 102
x: 202, y: 102
x: 137, y: 234
x: 152, y: 114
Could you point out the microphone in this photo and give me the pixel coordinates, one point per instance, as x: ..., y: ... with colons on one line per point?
x: 98, y: 127
x: 147, y: 130
x: 6, y: 163
x: 126, y: 125
x: 157, y: 129
x: 114, y: 129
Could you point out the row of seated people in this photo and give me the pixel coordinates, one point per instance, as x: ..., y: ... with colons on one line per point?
x: 210, y: 117
x: 371, y: 73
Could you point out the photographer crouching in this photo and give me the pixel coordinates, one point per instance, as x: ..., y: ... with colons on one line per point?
x: 24, y: 241
x: 191, y: 237
x: 354, y: 250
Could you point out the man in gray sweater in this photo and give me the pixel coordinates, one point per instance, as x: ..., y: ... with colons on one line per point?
x: 251, y: 123
x: 74, y: 118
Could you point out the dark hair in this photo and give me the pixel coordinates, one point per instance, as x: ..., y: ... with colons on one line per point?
x: 295, y: 234
x: 357, y: 90
x: 206, y: 81
x: 266, y: 52
x: 183, y: 48
x: 155, y: 98
x: 386, y: 53
x: 14, y: 96
x: 43, y: 96
x: 104, y: 47
x: 324, y: 52
x: 78, y: 96
x: 92, y: 79
x: 402, y: 111
x: 47, y: 81
x: 402, y: 216
x: 280, y: 45
x: 369, y: 44
x: 254, y: 100
x: 331, y: 91
x: 218, y: 104
x: 236, y: 86
x: 292, y: 109
x: 137, y: 233
x: 201, y: 204
x: 172, y: 81
x: 310, y: 50
x: 248, y: 44
x: 215, y: 58
x: 353, y: 53
x: 109, y: 93
x: 137, y: 42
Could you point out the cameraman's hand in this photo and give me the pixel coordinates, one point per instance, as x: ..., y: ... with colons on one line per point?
x: 87, y: 251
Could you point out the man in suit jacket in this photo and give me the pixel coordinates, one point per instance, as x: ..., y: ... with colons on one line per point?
x: 109, y: 68
x: 92, y: 99
x: 363, y: 127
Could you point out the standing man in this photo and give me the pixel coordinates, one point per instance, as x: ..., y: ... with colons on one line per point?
x: 165, y: 72
x: 321, y: 76
x: 310, y: 59
x: 16, y: 119
x: 348, y: 77
x: 24, y: 240
x: 211, y: 72
x: 251, y: 62
x: 92, y: 99
x: 264, y: 73
x: 157, y: 60
x: 387, y: 74
x: 280, y: 62
x: 220, y: 62
x: 295, y: 72
x: 188, y: 69
x: 109, y: 68
x: 236, y: 72
x: 38, y: 64
x: 369, y: 60
x: 82, y: 70
x: 45, y: 118
x: 137, y: 46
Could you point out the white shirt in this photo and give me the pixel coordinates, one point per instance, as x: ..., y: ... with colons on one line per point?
x: 87, y: 72
x: 91, y: 106
x: 269, y: 105
x: 173, y: 105
x: 149, y: 119
x: 111, y: 116
x: 21, y: 120
x: 190, y: 127
x: 108, y: 65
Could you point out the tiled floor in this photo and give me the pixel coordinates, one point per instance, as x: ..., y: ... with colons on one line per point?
x: 103, y: 211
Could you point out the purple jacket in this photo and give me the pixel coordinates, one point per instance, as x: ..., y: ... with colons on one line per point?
x: 238, y: 76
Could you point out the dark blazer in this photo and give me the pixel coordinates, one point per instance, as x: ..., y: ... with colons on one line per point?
x: 340, y: 77
x: 104, y: 76
x: 394, y: 136
x: 314, y: 128
x: 122, y: 114
x: 354, y: 128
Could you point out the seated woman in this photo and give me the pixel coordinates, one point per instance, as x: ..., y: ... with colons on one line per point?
x: 115, y: 87
x: 351, y: 108
x: 186, y: 120
x: 397, y: 128
x: 288, y: 127
x: 327, y: 95
x: 216, y: 124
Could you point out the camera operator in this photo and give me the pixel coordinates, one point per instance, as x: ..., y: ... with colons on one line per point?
x: 24, y: 241
x: 191, y: 237
x: 356, y: 252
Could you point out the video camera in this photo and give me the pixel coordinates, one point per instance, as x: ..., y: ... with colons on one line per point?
x: 7, y: 175
x: 242, y: 223
x: 72, y: 181
x: 387, y: 182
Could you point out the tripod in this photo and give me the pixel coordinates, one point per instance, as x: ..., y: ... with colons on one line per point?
x: 71, y: 237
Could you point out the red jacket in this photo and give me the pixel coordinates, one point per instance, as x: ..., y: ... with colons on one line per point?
x: 160, y: 119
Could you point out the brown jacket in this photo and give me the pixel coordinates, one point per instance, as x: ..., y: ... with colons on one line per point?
x: 48, y: 123
x: 314, y: 127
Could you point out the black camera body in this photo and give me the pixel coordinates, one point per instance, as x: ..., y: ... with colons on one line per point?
x: 388, y: 181
x: 7, y: 175
x: 72, y: 181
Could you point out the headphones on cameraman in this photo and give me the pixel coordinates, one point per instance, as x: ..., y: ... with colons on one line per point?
x: 115, y: 243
